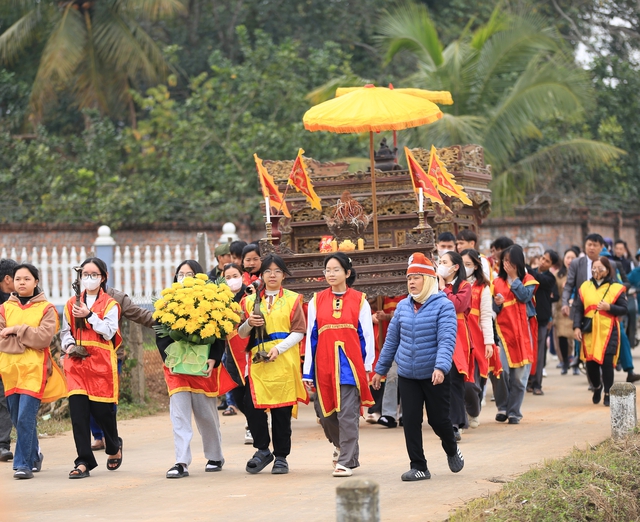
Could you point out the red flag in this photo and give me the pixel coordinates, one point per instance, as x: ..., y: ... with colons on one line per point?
x: 269, y: 188
x: 446, y: 182
x: 420, y: 179
x: 299, y: 178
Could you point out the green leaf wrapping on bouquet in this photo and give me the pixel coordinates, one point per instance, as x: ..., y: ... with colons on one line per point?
x: 187, y: 358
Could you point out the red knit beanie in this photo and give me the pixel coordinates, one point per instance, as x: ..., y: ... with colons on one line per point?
x: 420, y: 264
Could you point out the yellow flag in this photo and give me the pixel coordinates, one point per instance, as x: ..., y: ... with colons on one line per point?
x: 446, y: 182
x: 299, y: 178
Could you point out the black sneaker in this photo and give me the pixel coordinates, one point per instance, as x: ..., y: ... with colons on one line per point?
x: 213, y: 465
x: 388, y: 421
x: 415, y: 474
x: 456, y: 461
x: 457, y: 434
x: 37, y: 466
x: 5, y: 455
x: 23, y: 474
x: 514, y: 420
x: 501, y: 417
x: 605, y: 401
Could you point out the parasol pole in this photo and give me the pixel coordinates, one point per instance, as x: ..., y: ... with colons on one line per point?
x: 374, y: 198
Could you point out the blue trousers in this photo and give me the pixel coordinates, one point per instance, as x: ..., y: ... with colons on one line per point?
x: 24, y: 413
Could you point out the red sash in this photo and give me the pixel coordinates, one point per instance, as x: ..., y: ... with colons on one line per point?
x: 485, y: 365
x: 97, y: 375
x: 519, y: 334
x: 338, y: 331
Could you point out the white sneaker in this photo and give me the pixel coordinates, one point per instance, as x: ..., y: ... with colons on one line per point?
x: 248, y: 438
x: 473, y: 422
x: 544, y: 372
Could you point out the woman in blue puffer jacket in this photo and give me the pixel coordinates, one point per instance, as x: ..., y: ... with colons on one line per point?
x: 421, y: 338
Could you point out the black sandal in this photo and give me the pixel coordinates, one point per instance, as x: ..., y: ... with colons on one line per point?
x: 77, y: 473
x: 177, y: 471
x: 117, y: 462
x: 260, y: 460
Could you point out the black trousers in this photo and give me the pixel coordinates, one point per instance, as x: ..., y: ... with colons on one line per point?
x: 563, y: 342
x: 259, y: 426
x: 377, y: 397
x: 458, y: 411
x: 593, y: 371
x: 415, y: 395
x: 81, y: 409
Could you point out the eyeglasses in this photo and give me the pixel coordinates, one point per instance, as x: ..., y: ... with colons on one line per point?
x: 93, y: 277
x: 335, y: 271
x: 277, y: 272
x: 598, y: 269
x: 180, y: 277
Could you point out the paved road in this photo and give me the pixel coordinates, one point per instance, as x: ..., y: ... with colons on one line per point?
x: 554, y: 423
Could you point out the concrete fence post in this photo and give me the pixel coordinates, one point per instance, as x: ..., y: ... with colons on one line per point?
x: 623, y: 409
x: 104, y: 246
x: 202, y: 247
x: 358, y: 501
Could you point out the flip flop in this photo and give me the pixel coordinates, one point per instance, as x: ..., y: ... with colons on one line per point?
x: 231, y: 410
x: 117, y: 462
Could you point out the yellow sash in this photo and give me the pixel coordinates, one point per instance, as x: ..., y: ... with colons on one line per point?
x: 278, y: 383
x: 26, y: 372
x: 594, y: 343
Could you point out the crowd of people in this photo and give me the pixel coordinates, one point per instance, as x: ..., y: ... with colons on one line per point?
x: 466, y: 320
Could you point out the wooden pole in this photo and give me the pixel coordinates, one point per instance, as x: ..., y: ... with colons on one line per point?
x: 374, y: 198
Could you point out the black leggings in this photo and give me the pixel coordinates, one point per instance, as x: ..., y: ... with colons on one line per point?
x: 593, y: 371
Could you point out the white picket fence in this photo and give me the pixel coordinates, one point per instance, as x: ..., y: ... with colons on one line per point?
x: 141, y: 271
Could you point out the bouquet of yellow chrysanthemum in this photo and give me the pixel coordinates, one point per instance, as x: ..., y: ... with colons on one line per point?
x: 194, y: 313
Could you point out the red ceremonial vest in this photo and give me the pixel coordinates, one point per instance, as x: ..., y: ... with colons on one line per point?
x: 477, y: 338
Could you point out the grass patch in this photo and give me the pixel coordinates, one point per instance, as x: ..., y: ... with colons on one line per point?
x: 600, y: 484
x: 126, y: 411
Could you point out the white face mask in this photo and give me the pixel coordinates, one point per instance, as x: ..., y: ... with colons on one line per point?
x: 469, y: 270
x: 235, y: 283
x: 91, y: 284
x: 444, y: 271
x: 442, y: 252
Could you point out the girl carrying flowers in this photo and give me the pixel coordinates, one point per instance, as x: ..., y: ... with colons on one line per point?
x: 194, y: 316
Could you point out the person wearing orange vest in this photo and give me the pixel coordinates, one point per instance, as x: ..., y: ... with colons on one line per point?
x: 28, y: 323
x: 274, y: 384
x: 92, y: 380
x: 597, y: 311
x: 486, y: 357
x: 339, y: 352
x: 452, y: 281
x: 517, y: 329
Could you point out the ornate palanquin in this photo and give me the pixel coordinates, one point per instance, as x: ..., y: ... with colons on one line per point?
x: 380, y: 272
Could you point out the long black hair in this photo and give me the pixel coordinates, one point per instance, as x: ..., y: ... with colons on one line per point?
x: 34, y: 272
x: 563, y: 269
x: 478, y: 272
x: 461, y: 274
x: 345, y: 263
x: 102, y: 268
x: 516, y: 258
x: 193, y: 265
x: 271, y: 259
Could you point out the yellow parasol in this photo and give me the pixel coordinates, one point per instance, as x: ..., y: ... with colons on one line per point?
x: 372, y: 109
x: 439, y: 97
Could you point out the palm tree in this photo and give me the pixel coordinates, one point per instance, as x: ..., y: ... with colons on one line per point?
x: 507, y: 79
x: 98, y: 49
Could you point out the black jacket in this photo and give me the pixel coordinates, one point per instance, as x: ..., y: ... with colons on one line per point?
x: 546, y: 294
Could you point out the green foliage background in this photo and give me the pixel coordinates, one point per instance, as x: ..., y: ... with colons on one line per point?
x: 240, y: 74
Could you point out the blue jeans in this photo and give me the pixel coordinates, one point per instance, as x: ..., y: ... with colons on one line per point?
x: 24, y: 413
x: 515, y: 385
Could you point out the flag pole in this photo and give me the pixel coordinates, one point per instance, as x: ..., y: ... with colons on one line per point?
x: 374, y: 201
